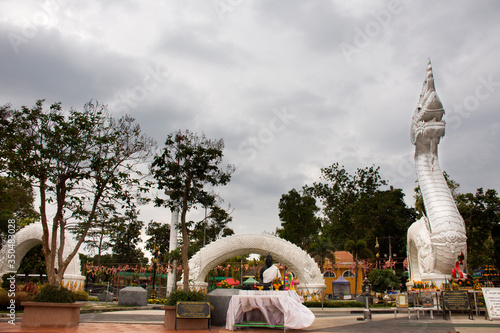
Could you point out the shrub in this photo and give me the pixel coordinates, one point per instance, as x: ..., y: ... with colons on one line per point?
x: 5, y: 282
x: 20, y: 296
x: 80, y: 295
x: 4, y: 298
x: 51, y: 294
x: 185, y: 296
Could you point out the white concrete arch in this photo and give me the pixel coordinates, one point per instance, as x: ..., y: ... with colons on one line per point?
x: 30, y: 236
x: 296, y: 259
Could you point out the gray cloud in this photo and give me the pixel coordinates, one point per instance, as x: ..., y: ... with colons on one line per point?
x: 274, y: 80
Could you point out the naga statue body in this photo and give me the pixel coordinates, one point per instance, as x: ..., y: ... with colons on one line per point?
x: 438, y: 238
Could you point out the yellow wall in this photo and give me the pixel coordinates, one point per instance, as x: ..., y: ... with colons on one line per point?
x: 338, y: 273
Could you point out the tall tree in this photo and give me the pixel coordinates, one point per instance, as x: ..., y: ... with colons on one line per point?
x: 97, y: 240
x: 160, y: 238
x: 77, y: 160
x: 211, y: 228
x: 382, y: 214
x: 125, y: 238
x: 321, y: 248
x: 481, y: 213
x: 188, y: 163
x: 358, y: 248
x: 299, y: 223
x: 16, y: 202
x: 338, y: 192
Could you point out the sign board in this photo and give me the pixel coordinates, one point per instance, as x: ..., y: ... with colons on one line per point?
x: 492, y: 300
x: 401, y: 301
x: 456, y: 300
x: 193, y: 310
x: 427, y: 299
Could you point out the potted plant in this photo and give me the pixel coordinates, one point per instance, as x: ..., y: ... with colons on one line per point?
x: 52, y: 306
x: 170, y: 310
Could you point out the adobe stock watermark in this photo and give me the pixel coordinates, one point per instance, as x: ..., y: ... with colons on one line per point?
x: 31, y: 26
x: 130, y: 98
x: 460, y: 111
x: 249, y: 148
x: 11, y: 263
x: 373, y: 28
x: 222, y: 7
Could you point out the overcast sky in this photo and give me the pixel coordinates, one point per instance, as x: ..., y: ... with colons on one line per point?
x: 291, y: 86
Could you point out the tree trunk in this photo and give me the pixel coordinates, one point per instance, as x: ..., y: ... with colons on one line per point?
x: 356, y: 278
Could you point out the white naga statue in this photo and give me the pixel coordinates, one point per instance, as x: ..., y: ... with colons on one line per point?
x: 438, y: 238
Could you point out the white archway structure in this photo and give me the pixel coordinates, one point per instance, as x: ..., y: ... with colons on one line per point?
x: 31, y: 236
x: 296, y: 259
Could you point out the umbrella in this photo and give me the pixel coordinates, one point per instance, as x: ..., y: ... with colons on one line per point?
x: 250, y: 281
x: 230, y: 281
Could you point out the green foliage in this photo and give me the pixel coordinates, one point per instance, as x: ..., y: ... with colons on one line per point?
x: 5, y: 282
x: 125, y: 237
x: 383, y: 279
x: 16, y: 202
x: 355, y: 207
x: 80, y: 295
x: 185, y: 296
x: 299, y: 223
x: 481, y: 213
x: 210, y: 229
x: 20, y: 296
x: 53, y: 294
x: 187, y: 164
x: 33, y: 262
x: 321, y: 248
x: 159, y: 242
x: 79, y: 160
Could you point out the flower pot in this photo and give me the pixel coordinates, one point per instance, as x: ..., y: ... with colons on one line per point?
x: 37, y: 314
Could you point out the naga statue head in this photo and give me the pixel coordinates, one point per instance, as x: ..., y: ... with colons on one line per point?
x: 427, y: 125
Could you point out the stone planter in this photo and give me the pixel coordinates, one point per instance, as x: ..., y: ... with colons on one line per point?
x: 37, y: 314
x: 183, y: 323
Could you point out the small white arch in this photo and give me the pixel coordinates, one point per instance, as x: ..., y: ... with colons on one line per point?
x: 26, y: 239
x: 306, y: 270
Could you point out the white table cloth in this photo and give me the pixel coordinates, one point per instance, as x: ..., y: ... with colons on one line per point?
x: 276, y: 307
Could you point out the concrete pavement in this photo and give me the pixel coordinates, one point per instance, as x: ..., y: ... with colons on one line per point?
x: 327, y: 320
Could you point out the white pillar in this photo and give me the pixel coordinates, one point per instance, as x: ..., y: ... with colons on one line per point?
x: 172, y: 276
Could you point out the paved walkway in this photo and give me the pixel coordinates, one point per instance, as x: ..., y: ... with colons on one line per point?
x: 327, y: 320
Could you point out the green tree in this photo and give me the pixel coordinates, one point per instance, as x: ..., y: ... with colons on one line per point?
x: 481, y: 213
x: 97, y: 239
x: 358, y: 249
x: 299, y: 222
x: 16, y: 202
x: 210, y: 229
x: 187, y: 164
x: 125, y: 237
x: 383, y: 279
x: 321, y: 248
x: 33, y: 262
x: 160, y: 238
x: 339, y: 191
x: 77, y: 161
x: 382, y: 214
